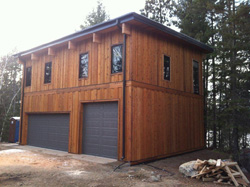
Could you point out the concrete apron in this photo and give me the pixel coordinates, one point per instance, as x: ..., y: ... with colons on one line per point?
x: 89, y: 158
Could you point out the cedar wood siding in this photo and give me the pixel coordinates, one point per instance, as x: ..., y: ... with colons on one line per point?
x: 162, y: 117
x: 66, y: 92
x: 167, y: 118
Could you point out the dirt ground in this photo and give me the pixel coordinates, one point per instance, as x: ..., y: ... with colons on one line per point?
x: 20, y: 166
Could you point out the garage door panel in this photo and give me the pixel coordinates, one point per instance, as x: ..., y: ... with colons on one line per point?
x: 106, y: 151
x: 92, y: 140
x: 95, y: 123
x: 110, y: 124
x: 110, y: 115
x: 92, y: 131
x: 109, y: 132
x: 49, y: 131
x: 109, y: 142
x: 100, y: 124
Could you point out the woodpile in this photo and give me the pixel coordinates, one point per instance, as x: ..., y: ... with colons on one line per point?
x: 219, y: 172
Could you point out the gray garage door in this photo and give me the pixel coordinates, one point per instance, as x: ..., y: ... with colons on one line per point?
x: 49, y: 131
x: 100, y: 123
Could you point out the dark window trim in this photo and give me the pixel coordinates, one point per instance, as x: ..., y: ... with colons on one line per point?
x: 193, y: 60
x: 45, y: 72
x: 169, y: 66
x: 26, y: 76
x: 82, y: 78
x: 114, y: 45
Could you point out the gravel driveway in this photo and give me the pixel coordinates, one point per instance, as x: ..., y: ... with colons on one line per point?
x: 30, y: 166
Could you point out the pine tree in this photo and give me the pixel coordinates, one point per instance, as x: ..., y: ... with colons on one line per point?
x: 223, y: 25
x: 158, y: 10
x: 10, y: 92
x: 192, y: 18
x: 97, y: 15
x: 233, y: 45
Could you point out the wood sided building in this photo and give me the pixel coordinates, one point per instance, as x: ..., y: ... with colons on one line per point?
x: 129, y: 89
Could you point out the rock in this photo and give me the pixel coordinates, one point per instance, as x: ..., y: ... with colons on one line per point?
x: 245, y: 159
x: 155, y: 178
x: 187, y: 169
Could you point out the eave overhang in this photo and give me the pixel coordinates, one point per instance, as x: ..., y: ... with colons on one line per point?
x: 113, y: 23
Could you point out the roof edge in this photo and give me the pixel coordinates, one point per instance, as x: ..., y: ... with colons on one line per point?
x: 114, y: 22
x: 170, y: 31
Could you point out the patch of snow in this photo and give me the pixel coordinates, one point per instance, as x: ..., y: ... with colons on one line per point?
x: 76, y: 172
x: 11, y: 151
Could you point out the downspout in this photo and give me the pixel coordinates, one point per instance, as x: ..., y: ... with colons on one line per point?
x: 124, y: 96
x: 123, y: 89
x: 22, y: 101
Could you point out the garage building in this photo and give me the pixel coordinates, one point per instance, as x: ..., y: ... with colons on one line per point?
x: 129, y: 89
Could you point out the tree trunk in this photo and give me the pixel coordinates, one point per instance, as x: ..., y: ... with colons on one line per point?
x: 205, y: 83
x: 235, y: 134
x: 214, y: 92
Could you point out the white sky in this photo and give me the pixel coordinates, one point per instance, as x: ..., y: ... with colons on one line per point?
x: 25, y: 24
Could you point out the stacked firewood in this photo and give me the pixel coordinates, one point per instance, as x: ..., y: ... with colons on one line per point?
x: 220, y: 172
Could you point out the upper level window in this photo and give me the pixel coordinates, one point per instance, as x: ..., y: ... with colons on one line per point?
x: 84, y: 65
x: 116, y: 62
x: 196, y: 76
x: 28, y: 76
x: 166, y: 68
x: 47, y: 72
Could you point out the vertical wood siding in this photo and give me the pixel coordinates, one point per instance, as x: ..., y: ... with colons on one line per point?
x: 162, y: 117
x: 71, y: 102
x: 165, y: 123
x: 65, y: 65
x: 149, y: 50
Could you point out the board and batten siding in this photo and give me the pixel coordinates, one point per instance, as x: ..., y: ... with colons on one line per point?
x: 148, y: 50
x: 71, y: 102
x: 66, y: 93
x: 164, y: 123
x: 167, y: 118
x: 162, y: 117
x: 65, y: 65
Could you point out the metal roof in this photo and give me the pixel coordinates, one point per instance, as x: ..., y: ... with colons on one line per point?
x: 113, y: 22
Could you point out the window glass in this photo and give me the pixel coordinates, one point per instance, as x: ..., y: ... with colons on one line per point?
x: 196, y: 76
x: 47, y: 74
x: 116, y: 64
x: 166, y: 68
x: 28, y: 76
x: 83, y: 65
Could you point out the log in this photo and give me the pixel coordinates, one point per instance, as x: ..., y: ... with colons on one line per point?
x: 218, y: 163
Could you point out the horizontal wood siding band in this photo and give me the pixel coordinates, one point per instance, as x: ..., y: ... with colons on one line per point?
x: 49, y: 112
x: 163, y: 89
x: 77, y: 89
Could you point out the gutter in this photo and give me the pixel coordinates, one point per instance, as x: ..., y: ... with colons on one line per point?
x: 89, y: 30
x: 172, y: 32
x: 113, y: 22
